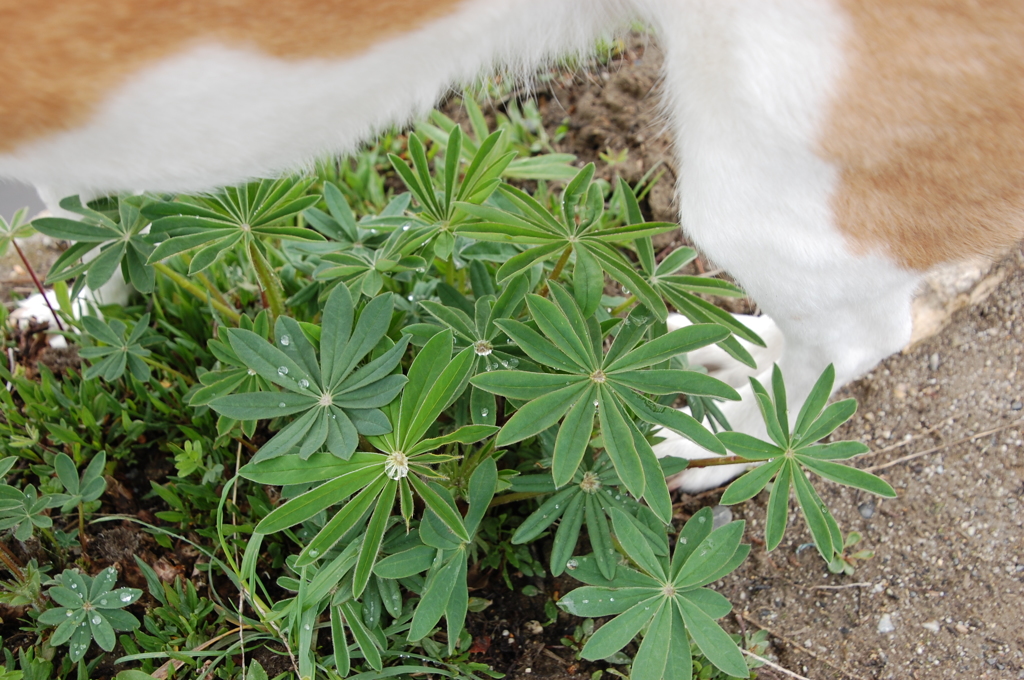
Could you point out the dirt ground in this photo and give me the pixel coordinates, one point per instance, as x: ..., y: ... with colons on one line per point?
x: 943, y: 595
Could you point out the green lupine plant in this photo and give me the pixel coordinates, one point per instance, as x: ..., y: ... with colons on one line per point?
x: 665, y: 596
x: 547, y: 166
x: 592, y: 382
x: 244, y: 216
x: 594, y: 491
x: 363, y: 271
x: 441, y: 208
x: 81, y: 492
x: 117, y: 233
x: 794, y: 451
x: 577, y: 230
x: 445, y: 558
x: 24, y: 510
x: 119, y: 350
x: 481, y: 334
x: 335, y: 401
x: 232, y: 375
x: 435, y: 380
x: 89, y: 609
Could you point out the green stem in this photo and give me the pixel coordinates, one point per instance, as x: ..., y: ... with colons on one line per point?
x: 81, y: 528
x: 197, y: 292
x: 560, y: 265
x: 513, y: 498
x: 624, y: 306
x: 216, y: 294
x: 269, y: 282
x: 164, y: 367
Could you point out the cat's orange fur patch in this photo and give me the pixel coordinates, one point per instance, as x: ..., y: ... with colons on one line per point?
x: 928, y: 128
x: 60, y: 58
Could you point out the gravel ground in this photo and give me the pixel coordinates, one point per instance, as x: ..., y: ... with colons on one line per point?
x: 943, y: 596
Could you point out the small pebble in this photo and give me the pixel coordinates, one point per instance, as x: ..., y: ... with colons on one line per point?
x: 720, y: 516
x: 962, y: 629
x: 866, y: 510
x: 1016, y: 406
x: 933, y: 626
x: 533, y: 627
x: 933, y: 362
x: 885, y: 624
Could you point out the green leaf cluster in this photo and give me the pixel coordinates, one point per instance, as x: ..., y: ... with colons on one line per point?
x: 89, y: 609
x: 664, y: 596
x: 794, y: 451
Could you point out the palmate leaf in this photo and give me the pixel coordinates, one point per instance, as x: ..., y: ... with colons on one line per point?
x: 796, y: 451
x: 334, y: 400
x: 121, y: 349
x: 118, y: 236
x: 577, y: 229
x: 234, y: 216
x: 666, y: 597
x: 371, y: 481
x: 608, y: 384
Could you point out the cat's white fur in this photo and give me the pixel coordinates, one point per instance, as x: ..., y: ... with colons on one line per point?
x: 748, y: 83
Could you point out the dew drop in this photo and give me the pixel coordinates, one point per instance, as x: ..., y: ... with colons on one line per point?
x: 420, y: 270
x: 96, y: 620
x: 702, y: 519
x: 410, y: 298
x: 484, y: 412
x: 611, y: 599
x: 68, y: 613
x: 303, y: 383
x: 406, y: 227
x: 306, y: 627
x: 512, y: 362
x: 572, y: 564
x: 286, y: 340
x: 126, y: 597
x: 281, y: 405
x: 596, y: 403
x: 683, y: 540
x: 586, y: 601
x: 103, y: 603
x: 282, y: 370
x: 74, y: 586
x: 251, y: 372
x: 314, y: 553
x: 556, y: 506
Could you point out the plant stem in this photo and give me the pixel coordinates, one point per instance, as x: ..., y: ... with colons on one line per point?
x: 11, y: 563
x: 624, y: 306
x: 269, y: 282
x: 81, y: 528
x: 216, y: 294
x: 513, y: 497
x: 560, y: 265
x: 197, y: 292
x: 164, y: 367
x: 39, y: 285
x: 720, y: 460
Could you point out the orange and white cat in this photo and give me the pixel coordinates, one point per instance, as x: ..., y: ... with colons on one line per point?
x: 830, y: 151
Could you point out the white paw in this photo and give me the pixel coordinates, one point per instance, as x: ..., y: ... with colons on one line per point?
x: 722, y: 366
x: 34, y: 308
